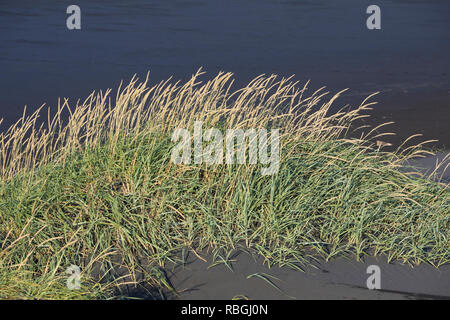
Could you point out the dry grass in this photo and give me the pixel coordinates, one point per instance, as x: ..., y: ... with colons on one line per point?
x: 99, y: 190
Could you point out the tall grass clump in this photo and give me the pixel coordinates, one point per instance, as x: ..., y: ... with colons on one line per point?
x: 98, y: 189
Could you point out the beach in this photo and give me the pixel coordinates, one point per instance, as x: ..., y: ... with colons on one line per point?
x: 341, y: 279
x: 96, y: 187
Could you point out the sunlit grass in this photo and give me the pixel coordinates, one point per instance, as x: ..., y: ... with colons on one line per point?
x: 100, y: 191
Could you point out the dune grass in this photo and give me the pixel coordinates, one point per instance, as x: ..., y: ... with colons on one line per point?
x: 99, y: 190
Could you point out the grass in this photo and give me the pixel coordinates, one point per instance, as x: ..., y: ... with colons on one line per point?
x: 99, y: 190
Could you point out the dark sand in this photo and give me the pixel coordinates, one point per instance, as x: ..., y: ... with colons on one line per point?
x: 337, y: 279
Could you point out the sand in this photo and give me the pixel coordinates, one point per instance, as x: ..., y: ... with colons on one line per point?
x: 338, y: 279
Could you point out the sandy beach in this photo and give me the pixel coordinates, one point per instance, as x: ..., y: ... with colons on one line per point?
x: 104, y: 184
x: 337, y: 279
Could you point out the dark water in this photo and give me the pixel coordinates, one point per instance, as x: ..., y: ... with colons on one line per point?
x: 325, y: 41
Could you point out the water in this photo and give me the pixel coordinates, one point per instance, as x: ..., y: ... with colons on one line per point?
x: 325, y: 41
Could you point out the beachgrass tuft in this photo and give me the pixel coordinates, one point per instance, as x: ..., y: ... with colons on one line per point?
x: 98, y: 189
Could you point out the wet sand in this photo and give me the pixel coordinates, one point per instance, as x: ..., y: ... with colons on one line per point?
x: 337, y: 279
